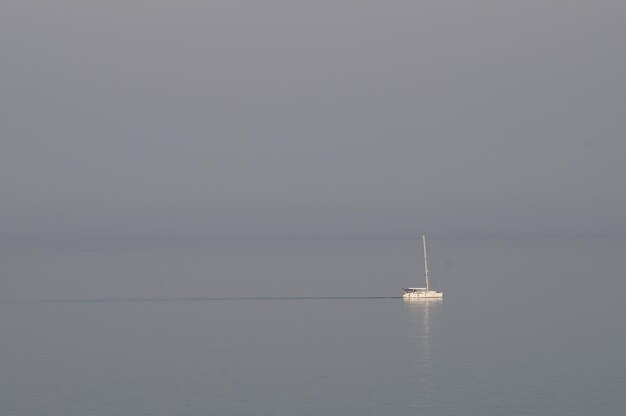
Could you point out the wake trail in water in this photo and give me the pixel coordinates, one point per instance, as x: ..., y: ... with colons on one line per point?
x: 190, y: 299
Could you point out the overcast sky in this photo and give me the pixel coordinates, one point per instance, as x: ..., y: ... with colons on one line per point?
x: 282, y: 117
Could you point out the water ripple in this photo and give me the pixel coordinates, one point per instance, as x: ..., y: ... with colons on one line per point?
x: 188, y: 299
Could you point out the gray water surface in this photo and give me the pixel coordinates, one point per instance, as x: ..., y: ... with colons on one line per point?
x: 303, y: 327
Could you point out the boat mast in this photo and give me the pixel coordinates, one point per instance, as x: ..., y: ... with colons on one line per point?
x: 425, y: 263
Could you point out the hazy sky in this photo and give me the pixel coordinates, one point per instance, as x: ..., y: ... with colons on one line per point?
x: 312, y: 117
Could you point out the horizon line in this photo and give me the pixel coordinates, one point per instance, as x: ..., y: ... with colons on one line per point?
x: 252, y: 236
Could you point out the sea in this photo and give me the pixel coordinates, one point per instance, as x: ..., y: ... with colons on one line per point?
x: 529, y: 325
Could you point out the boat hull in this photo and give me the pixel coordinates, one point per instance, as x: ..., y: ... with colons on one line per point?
x: 431, y: 294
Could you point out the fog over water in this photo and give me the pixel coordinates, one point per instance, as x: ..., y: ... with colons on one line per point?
x: 307, y: 118
x: 211, y: 208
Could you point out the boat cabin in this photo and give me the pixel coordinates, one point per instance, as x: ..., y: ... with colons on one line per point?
x: 414, y: 289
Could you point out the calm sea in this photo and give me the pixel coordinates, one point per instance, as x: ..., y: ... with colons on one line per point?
x: 528, y: 326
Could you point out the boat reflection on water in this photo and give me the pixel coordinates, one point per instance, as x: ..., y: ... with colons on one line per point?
x: 424, y: 313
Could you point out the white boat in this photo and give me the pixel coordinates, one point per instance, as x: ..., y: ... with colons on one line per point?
x: 422, y: 292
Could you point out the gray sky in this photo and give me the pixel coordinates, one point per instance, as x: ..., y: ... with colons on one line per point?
x: 312, y: 117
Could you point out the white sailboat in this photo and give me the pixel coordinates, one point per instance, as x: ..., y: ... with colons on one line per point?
x: 422, y: 292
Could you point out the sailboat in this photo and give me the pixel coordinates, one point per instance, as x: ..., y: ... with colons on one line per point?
x: 422, y: 292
